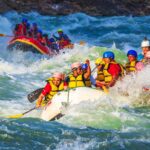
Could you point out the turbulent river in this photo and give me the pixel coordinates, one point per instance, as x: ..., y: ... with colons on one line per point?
x: 123, y: 123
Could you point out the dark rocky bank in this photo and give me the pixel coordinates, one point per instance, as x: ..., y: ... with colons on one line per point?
x: 90, y: 7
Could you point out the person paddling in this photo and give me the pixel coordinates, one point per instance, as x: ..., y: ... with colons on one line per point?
x: 17, y: 30
x: 77, y: 78
x: 147, y: 58
x: 132, y: 61
x: 45, y: 40
x: 53, y: 86
x: 147, y: 62
x: 23, y: 26
x: 39, y: 36
x: 145, y: 44
x: 100, y: 66
x: 53, y: 45
x: 112, y: 70
x: 63, y: 39
x: 21, y: 29
x: 34, y: 30
x: 89, y: 81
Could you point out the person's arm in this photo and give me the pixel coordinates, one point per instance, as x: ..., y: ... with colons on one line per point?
x: 88, y: 73
x: 39, y: 101
x: 45, y: 91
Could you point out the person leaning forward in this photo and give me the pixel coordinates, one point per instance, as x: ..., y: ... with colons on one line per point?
x: 77, y: 78
x: 53, y: 86
x: 112, y: 70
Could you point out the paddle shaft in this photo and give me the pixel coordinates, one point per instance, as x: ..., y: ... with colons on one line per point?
x: 20, y: 115
x: 93, y: 69
x: 29, y: 111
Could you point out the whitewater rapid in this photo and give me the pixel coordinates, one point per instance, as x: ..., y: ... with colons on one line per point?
x: 119, y: 121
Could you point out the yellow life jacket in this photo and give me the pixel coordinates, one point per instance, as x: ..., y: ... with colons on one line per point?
x: 87, y: 82
x: 107, y: 75
x: 76, y: 81
x: 54, y: 90
x: 130, y: 66
x: 100, y: 75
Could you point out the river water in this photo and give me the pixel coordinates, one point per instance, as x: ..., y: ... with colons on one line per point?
x: 124, y: 122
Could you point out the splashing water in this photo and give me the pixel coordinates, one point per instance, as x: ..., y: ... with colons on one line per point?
x: 117, y: 121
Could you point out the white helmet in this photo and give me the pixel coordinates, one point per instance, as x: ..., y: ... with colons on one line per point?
x: 145, y: 43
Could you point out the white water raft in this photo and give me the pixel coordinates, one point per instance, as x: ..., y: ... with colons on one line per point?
x: 71, y: 97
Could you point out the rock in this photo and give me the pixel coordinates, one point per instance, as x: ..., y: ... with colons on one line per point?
x: 90, y: 7
x: 3, y: 7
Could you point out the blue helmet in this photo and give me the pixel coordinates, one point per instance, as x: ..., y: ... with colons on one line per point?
x: 40, y: 31
x: 140, y: 57
x: 34, y: 24
x: 52, y: 40
x: 24, y: 20
x: 108, y: 54
x: 84, y: 66
x: 28, y: 24
x: 132, y: 52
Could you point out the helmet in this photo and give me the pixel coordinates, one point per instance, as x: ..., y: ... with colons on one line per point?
x: 145, y: 43
x: 34, y: 24
x: 28, y: 25
x: 148, y: 54
x: 75, y: 65
x: 140, y: 57
x: 139, y: 66
x: 52, y: 40
x: 40, y: 31
x: 99, y: 61
x: 132, y: 52
x: 57, y: 75
x: 108, y: 54
x: 59, y: 30
x: 84, y: 66
x: 24, y: 20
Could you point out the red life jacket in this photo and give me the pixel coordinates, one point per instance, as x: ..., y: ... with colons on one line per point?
x: 24, y: 29
x: 18, y: 31
x: 63, y: 43
x: 39, y: 38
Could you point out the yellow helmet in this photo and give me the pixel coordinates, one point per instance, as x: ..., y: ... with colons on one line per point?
x: 99, y: 61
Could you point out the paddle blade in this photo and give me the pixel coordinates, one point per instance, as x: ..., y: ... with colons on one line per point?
x: 34, y: 95
x: 6, y: 35
x: 105, y: 89
x: 2, y: 34
x: 15, y: 116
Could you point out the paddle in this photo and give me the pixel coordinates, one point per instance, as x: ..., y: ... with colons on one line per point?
x: 20, y: 115
x: 34, y: 95
x: 6, y: 35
